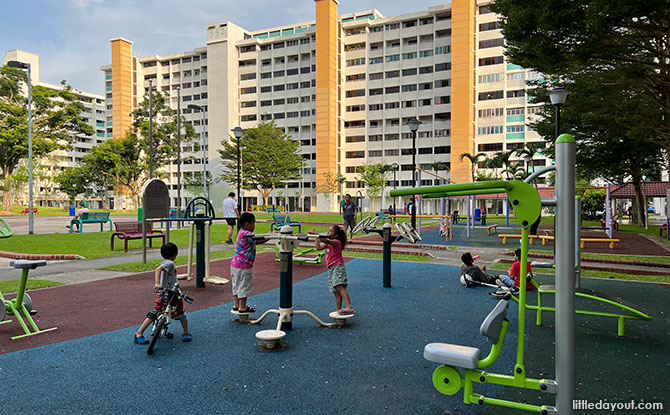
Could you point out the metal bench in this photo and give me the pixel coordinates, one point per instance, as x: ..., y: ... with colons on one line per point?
x: 133, y: 230
x: 91, y: 217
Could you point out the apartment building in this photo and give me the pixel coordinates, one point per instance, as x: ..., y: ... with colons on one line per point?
x: 345, y: 87
x: 46, y: 190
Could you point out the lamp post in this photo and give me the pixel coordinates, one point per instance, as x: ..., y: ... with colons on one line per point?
x: 238, y: 132
x: 178, y: 155
x: 151, y: 130
x: 526, y: 159
x: 413, y: 127
x: 201, y: 108
x: 395, y: 167
x: 558, y: 97
x: 31, y: 217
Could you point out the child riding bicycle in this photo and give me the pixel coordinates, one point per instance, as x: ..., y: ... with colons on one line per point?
x: 165, y: 280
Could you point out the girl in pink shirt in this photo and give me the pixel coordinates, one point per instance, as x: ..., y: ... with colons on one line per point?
x: 337, y: 274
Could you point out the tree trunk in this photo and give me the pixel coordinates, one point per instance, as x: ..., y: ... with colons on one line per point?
x: 639, y: 207
x: 7, y: 194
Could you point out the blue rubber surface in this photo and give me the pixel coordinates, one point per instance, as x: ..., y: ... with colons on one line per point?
x: 375, y: 366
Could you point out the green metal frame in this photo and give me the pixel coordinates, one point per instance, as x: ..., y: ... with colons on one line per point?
x: 621, y: 318
x: 16, y: 307
x: 297, y: 256
x: 527, y: 205
x: 7, y: 231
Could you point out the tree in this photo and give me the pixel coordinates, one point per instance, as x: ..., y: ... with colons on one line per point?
x: 593, y: 201
x: 269, y: 158
x: 55, y: 117
x: 530, y: 150
x: 438, y: 166
x: 503, y: 158
x: 473, y: 161
x: 72, y: 182
x: 193, y: 182
x: 567, y: 38
x: 374, y: 176
x: 333, y: 182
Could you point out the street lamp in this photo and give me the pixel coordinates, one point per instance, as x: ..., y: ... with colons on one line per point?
x: 238, y: 132
x: 151, y: 130
x: 178, y: 155
x: 395, y: 167
x: 413, y: 127
x: 558, y: 97
x: 31, y: 218
x: 526, y: 159
x: 201, y: 108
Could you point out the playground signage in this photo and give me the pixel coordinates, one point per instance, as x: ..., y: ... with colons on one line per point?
x: 155, y: 199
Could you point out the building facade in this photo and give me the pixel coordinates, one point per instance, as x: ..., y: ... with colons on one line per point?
x: 345, y: 87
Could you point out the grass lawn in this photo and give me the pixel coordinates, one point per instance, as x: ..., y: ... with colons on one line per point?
x: 597, y: 274
x: 56, y: 211
x: 12, y: 285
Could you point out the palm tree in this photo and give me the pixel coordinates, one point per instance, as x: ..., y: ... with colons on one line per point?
x: 473, y: 161
x: 494, y: 163
x: 436, y: 166
x: 503, y: 158
x: 531, y: 149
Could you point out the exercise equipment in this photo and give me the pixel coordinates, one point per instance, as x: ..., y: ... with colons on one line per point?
x: 286, y: 242
x: 308, y: 256
x: 22, y: 306
x: 5, y: 230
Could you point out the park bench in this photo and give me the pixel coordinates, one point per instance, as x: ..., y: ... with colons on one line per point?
x: 271, y: 210
x: 608, y: 240
x: 504, y: 237
x: 493, y: 228
x: 545, y: 238
x: 27, y: 211
x: 91, y: 217
x: 133, y: 230
x: 281, y: 220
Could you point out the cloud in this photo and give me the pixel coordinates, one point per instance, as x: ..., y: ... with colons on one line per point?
x: 81, y: 4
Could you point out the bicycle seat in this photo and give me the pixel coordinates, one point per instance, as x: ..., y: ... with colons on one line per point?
x: 24, y: 263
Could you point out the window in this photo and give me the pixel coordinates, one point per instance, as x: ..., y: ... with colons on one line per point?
x: 375, y: 76
x: 442, y: 100
x: 410, y: 55
x: 442, y: 83
x: 278, y: 101
x: 375, y: 153
x: 355, y: 139
x: 356, y: 62
x: 305, y: 84
x: 534, y: 110
x: 491, y: 112
x: 391, y: 153
x: 442, y: 150
x: 248, y: 104
x: 305, y: 69
x: 391, y: 137
x: 426, y: 69
x: 266, y: 89
x: 244, y: 91
x: 304, y: 99
x: 376, y: 60
x: 443, y: 67
x: 408, y: 72
x: 278, y: 73
x: 292, y: 114
x: 266, y: 47
x: 409, y: 104
x: 266, y: 75
x: 246, y: 76
x: 441, y: 50
x: 491, y: 43
x: 293, y: 85
x: 392, y: 74
x: 278, y: 88
x: 426, y: 85
x: 426, y: 150
x: 515, y: 111
x: 409, y: 23
x: 392, y: 90
x: 485, y: 9
x: 250, y: 117
x: 304, y: 41
x: 376, y: 91
x: 494, y: 77
x: 292, y: 100
x: 483, y: 27
x: 516, y: 94
x: 518, y: 76
x: 444, y: 116
x: 392, y: 58
x: 356, y: 93
x: 375, y: 107
x: 304, y: 113
x: 491, y: 129
x: 375, y: 137
x: 355, y: 108
x: 355, y: 154
x: 292, y: 43
x: 496, y: 60
x: 279, y: 116
x: 425, y: 53
x: 375, y: 29
x: 393, y: 26
x: 392, y: 105
x: 278, y: 45
x: 409, y: 87
x: 354, y: 78
x: 266, y: 103
x: 486, y: 96
x: 490, y: 147
x: 425, y: 102
x: 516, y: 128
x: 428, y: 20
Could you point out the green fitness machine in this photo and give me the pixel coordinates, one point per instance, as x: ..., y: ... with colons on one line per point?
x: 527, y: 205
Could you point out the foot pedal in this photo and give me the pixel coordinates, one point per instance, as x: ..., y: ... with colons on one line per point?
x: 33, y: 312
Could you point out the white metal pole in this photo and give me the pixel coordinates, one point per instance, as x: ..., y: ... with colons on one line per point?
x: 31, y: 217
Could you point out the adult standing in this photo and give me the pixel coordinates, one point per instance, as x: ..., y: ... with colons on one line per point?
x: 349, y: 210
x: 231, y: 214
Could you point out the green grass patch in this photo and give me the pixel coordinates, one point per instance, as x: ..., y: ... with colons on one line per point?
x: 11, y: 286
x: 596, y: 274
x: 154, y: 263
x: 65, y: 211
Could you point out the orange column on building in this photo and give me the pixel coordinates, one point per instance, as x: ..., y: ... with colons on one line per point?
x: 122, y: 86
x: 326, y: 90
x: 462, y: 87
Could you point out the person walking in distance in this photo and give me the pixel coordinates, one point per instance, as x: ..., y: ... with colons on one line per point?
x: 349, y: 210
x: 231, y: 214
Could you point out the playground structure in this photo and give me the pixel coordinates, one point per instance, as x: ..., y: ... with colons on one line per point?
x: 287, y: 242
x: 5, y: 230
x: 446, y: 223
x: 21, y: 307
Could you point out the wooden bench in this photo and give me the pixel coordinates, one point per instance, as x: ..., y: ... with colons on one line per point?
x: 608, y: 240
x: 133, y: 230
x: 91, y: 217
x: 27, y: 211
x: 531, y: 238
x: 492, y: 227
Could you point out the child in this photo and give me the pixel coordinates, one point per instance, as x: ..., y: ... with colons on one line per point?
x: 337, y: 274
x: 513, y: 280
x: 475, y: 272
x: 166, y: 279
x: 243, y: 261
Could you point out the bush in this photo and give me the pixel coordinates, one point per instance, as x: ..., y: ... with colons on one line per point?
x: 593, y: 201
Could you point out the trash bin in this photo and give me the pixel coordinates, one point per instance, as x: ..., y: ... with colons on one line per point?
x: 72, y: 211
x: 139, y: 214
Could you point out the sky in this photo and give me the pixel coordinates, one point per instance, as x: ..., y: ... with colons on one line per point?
x: 72, y: 37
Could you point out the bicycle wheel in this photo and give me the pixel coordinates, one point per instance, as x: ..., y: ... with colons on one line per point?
x: 157, y: 333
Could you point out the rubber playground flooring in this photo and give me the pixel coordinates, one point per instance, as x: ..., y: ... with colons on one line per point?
x: 373, y: 366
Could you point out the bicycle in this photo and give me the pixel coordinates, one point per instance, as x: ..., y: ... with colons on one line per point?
x: 160, y: 326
